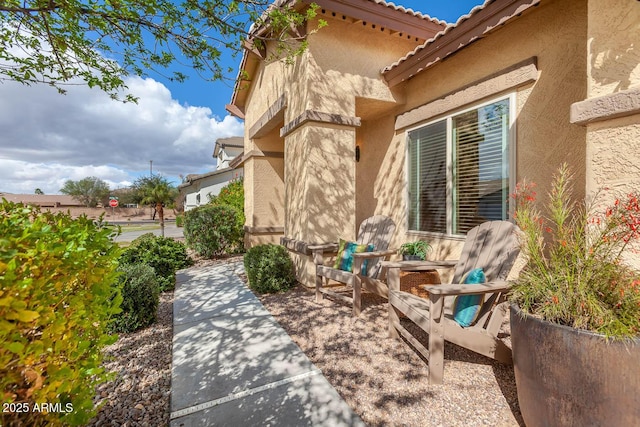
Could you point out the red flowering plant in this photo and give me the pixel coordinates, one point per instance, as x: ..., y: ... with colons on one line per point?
x: 577, y: 272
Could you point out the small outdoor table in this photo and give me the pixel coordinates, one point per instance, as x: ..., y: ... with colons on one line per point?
x: 410, y: 276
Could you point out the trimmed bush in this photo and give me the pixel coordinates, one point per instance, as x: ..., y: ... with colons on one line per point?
x: 140, y: 297
x: 212, y: 230
x: 269, y: 269
x: 57, y: 294
x: 179, y: 220
x: 164, y: 254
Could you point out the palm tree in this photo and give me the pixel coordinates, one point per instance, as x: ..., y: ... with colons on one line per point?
x: 155, y: 191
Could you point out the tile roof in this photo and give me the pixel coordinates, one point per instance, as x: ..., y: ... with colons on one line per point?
x: 492, y: 13
x: 408, y: 11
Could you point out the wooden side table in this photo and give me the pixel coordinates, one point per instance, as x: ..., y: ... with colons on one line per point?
x: 419, y: 270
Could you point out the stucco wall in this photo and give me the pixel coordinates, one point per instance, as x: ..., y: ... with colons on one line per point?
x: 267, y: 192
x: 613, y: 144
x: 338, y: 75
x: 614, y: 66
x: 614, y: 46
x: 555, y: 33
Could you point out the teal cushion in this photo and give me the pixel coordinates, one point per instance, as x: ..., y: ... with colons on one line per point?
x: 346, y: 249
x: 467, y: 307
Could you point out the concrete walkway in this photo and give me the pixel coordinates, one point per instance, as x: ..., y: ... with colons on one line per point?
x: 233, y: 365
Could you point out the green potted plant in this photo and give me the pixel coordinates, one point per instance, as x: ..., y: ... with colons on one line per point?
x: 414, y: 251
x: 575, y: 313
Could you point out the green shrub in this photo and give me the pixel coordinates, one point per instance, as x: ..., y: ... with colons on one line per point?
x: 56, y: 296
x: 164, y: 254
x: 232, y: 195
x: 212, y: 230
x: 269, y: 269
x: 179, y: 220
x: 140, y: 297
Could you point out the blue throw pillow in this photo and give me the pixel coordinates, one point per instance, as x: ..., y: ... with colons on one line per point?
x: 467, y: 307
x: 344, y: 259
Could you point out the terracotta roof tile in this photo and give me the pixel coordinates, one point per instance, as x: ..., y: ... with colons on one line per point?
x: 452, y: 30
x: 408, y: 11
x: 431, y: 41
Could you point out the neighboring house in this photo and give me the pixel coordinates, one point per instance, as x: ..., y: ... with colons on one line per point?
x: 393, y: 112
x: 43, y: 200
x: 227, y: 149
x: 197, y: 189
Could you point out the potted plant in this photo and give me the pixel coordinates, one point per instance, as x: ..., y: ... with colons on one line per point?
x: 575, y: 313
x: 414, y: 251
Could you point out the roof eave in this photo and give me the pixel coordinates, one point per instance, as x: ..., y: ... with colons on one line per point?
x: 481, y: 21
x: 373, y: 11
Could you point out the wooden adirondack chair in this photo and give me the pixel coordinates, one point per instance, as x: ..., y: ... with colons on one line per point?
x: 376, y: 230
x: 492, y: 246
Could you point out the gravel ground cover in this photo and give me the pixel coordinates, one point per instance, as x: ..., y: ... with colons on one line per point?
x: 139, y: 394
x: 382, y: 379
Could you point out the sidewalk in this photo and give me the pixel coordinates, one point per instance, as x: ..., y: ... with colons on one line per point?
x: 233, y: 365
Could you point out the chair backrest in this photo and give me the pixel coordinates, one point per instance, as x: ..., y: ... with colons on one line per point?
x: 377, y: 230
x: 492, y: 246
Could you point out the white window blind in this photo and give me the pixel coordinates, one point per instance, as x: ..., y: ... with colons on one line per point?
x: 475, y: 168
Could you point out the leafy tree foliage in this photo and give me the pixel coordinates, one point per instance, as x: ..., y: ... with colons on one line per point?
x: 155, y: 191
x: 57, y: 294
x: 56, y: 42
x: 89, y: 191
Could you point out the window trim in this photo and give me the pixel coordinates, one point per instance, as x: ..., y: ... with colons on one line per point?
x: 448, y: 117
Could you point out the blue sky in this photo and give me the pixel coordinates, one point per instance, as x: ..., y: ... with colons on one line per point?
x: 48, y: 138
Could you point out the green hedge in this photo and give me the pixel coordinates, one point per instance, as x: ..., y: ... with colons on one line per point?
x: 140, y: 298
x: 269, y: 269
x: 212, y: 230
x: 57, y: 293
x: 164, y: 254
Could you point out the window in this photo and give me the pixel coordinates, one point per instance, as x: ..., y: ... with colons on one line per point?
x: 458, y: 170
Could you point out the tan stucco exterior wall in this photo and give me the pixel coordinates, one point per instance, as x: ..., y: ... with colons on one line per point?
x: 614, y: 67
x: 339, y: 76
x: 613, y: 143
x: 554, y: 33
x: 613, y: 39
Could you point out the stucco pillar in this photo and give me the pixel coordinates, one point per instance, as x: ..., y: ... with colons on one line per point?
x: 320, y: 186
x: 264, y: 190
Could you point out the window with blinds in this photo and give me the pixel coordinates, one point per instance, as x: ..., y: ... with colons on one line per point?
x: 458, y: 170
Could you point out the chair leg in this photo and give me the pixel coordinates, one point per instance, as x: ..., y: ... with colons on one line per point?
x: 436, y: 339
x: 394, y: 320
x: 357, y: 295
x: 319, y: 295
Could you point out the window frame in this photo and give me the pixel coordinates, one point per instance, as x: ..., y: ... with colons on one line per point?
x: 448, y: 118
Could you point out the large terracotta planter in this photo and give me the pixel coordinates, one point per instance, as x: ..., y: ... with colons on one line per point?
x: 570, y: 377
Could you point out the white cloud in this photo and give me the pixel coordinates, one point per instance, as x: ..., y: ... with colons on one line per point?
x: 48, y: 138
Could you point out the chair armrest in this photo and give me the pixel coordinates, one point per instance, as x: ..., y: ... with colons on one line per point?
x: 321, y: 251
x: 461, y: 289
x: 419, y: 265
x: 374, y: 254
x: 324, y: 247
